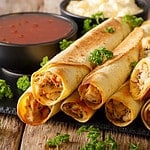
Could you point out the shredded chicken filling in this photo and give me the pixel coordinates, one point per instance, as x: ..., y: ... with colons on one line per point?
x: 91, y: 95
x: 117, y: 111
x: 142, y: 75
x: 48, y: 86
x: 75, y: 110
x: 35, y: 111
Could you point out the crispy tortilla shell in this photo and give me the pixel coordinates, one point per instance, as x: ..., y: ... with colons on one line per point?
x: 104, y: 80
x: 31, y: 112
x: 75, y: 108
x: 121, y: 109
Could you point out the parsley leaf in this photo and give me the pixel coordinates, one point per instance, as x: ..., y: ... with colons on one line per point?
x: 23, y: 82
x: 93, y: 21
x: 133, y: 21
x: 133, y: 147
x: 110, y: 29
x: 64, y: 44
x: 44, y: 61
x: 99, y: 56
x: 58, y: 140
x: 5, y: 90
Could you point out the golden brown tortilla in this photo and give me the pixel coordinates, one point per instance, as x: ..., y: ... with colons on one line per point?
x: 62, y: 74
x: 121, y: 109
x: 104, y: 80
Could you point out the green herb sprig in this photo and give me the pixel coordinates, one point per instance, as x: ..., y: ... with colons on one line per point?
x: 65, y: 43
x: 94, y: 139
x: 111, y: 143
x: 23, y: 82
x: 99, y: 56
x: 92, y: 22
x: 133, y: 146
x: 45, y: 59
x: 109, y: 29
x: 133, y: 21
x: 133, y: 64
x: 5, y: 90
x: 58, y: 140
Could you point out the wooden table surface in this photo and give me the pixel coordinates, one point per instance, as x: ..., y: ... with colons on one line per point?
x: 15, y: 135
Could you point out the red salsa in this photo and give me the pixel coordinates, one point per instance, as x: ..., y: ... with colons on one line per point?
x: 32, y: 28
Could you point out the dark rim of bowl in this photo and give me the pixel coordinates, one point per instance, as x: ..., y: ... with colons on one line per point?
x: 68, y: 36
x: 140, y: 3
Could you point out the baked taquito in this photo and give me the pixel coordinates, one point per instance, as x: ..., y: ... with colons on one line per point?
x: 146, y: 39
x: 62, y: 74
x: 140, y: 80
x: 30, y: 111
x: 121, y: 109
x: 104, y: 80
x: 77, y: 109
x: 145, y: 114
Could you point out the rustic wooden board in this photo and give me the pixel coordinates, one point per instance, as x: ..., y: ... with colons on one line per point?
x: 11, y: 129
x: 124, y: 140
x: 35, y: 137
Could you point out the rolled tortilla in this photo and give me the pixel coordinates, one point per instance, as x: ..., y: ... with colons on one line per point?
x: 121, y: 109
x: 75, y: 108
x: 146, y: 39
x: 145, y: 114
x: 140, y: 80
x: 30, y: 111
x: 104, y: 80
x: 62, y: 74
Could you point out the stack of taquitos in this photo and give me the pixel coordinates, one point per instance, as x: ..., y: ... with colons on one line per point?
x: 121, y: 109
x: 30, y: 111
x: 62, y: 74
x: 104, y: 80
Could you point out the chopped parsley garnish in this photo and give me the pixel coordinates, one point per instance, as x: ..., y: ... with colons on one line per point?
x: 99, y: 56
x: 133, y: 21
x: 133, y: 146
x: 94, y: 140
x: 95, y: 143
x: 44, y: 61
x: 58, y: 140
x: 109, y: 29
x: 23, y: 82
x: 5, y: 90
x: 92, y: 22
x: 111, y: 143
x: 133, y: 64
x: 64, y: 44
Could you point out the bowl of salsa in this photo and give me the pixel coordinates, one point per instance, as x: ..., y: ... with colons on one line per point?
x: 29, y: 36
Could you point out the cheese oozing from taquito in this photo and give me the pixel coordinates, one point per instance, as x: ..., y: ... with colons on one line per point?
x: 30, y: 111
x: 140, y: 80
x: 121, y: 109
x: 64, y: 72
x: 145, y: 114
x: 75, y: 108
x: 104, y: 80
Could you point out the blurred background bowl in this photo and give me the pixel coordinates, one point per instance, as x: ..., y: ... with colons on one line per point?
x: 39, y: 33
x: 144, y: 4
